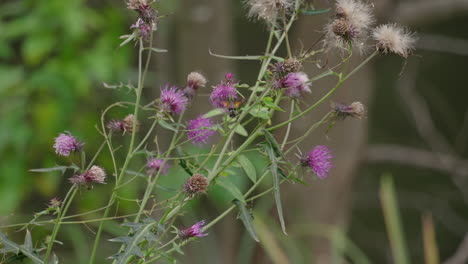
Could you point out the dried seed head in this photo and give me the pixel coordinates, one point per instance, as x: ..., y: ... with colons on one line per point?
x: 268, y: 9
x: 356, y: 110
x: 341, y: 27
x: 393, y: 38
x: 197, y: 184
x: 128, y: 124
x: 94, y: 175
x: 282, y: 68
x: 195, y: 81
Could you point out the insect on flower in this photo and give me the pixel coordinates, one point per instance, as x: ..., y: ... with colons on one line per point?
x: 232, y: 105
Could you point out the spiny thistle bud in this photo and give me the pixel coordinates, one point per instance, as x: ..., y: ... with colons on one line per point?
x: 94, y: 175
x: 193, y: 231
x: 55, y: 202
x: 172, y: 100
x: 319, y: 160
x: 195, y: 81
x: 394, y: 39
x: 284, y: 67
x: 66, y: 144
x: 356, y: 110
x: 197, y: 184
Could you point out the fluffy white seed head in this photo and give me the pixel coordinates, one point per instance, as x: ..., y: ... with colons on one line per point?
x: 268, y: 9
x: 350, y: 27
x: 392, y: 38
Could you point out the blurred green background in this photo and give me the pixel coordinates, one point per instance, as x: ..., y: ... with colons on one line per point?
x: 55, y: 55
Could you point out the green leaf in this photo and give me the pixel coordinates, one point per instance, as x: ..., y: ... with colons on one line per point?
x: 276, y: 185
x: 166, y: 125
x: 246, y: 217
x: 274, y: 144
x: 27, y: 250
x: 313, y: 12
x: 239, y: 129
x: 268, y: 101
x: 214, y: 112
x: 248, y: 167
x: 260, y: 112
x: 237, y: 57
x: 231, y: 188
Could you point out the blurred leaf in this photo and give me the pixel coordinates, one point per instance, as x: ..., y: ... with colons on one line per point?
x: 246, y: 217
x: 260, y: 112
x: 236, y: 57
x: 313, y: 12
x: 392, y: 220
x: 431, y: 250
x: 231, y: 188
x: 248, y: 167
x: 27, y: 249
x: 268, y: 101
x: 36, y: 47
x: 270, y: 242
x: 214, y: 112
x: 239, y: 129
x: 9, y: 77
x: 166, y: 125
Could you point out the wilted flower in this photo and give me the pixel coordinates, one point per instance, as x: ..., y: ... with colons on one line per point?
x: 296, y: 84
x: 154, y: 165
x: 195, y: 81
x: 66, y: 144
x: 199, y: 130
x: 319, y: 160
x: 394, y: 39
x: 143, y: 28
x: 268, y: 10
x: 173, y: 100
x: 144, y: 8
x: 224, y: 92
x: 193, y: 231
x: 356, y: 110
x: 94, y: 175
x: 125, y: 125
x: 197, y: 184
x: 351, y: 25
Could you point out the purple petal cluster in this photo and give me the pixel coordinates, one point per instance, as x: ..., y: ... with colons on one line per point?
x: 173, y: 100
x: 154, y: 165
x: 143, y: 28
x: 66, y: 144
x: 223, y: 92
x: 319, y: 160
x: 199, y: 130
x: 296, y: 84
x: 193, y: 231
x: 94, y: 175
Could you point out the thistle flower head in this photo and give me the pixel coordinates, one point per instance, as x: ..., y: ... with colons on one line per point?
x: 197, y: 184
x: 144, y: 8
x: 193, y: 231
x: 154, y: 165
x: 268, y: 10
x: 393, y: 38
x: 55, y: 202
x: 225, y: 91
x: 350, y: 26
x: 199, y: 130
x: 173, y: 100
x: 319, y: 160
x: 143, y: 29
x: 94, y: 175
x: 296, y: 84
x: 125, y: 125
x: 195, y: 81
x: 356, y: 110
x: 66, y: 144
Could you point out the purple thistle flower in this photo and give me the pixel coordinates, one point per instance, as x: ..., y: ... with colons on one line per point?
x: 199, y: 130
x: 193, y: 231
x: 319, y: 160
x: 173, y: 100
x: 154, y: 165
x: 95, y: 174
x: 296, y: 83
x: 225, y: 91
x: 66, y: 144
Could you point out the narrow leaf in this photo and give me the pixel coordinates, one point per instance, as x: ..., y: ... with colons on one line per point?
x: 313, y: 12
x: 239, y: 129
x: 246, y: 217
x: 57, y: 168
x: 231, y: 188
x: 166, y: 125
x: 248, y: 167
x: 393, y: 221
x: 236, y: 57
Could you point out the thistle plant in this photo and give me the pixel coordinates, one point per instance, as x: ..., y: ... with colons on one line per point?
x: 244, y: 111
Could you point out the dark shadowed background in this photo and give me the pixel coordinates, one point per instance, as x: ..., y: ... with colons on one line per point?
x: 55, y: 55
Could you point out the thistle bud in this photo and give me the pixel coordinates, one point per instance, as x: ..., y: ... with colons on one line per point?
x: 197, y: 184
